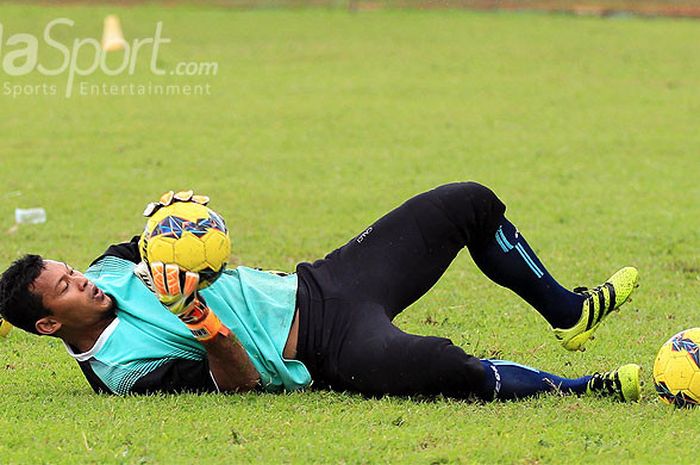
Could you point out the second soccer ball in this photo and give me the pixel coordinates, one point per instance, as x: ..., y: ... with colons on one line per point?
x: 677, y: 369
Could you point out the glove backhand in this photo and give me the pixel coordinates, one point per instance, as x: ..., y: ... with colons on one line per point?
x: 176, y: 289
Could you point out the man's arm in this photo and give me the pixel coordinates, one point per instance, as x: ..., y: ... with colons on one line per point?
x: 174, y: 376
x: 177, y: 290
x: 230, y: 364
x: 227, y: 368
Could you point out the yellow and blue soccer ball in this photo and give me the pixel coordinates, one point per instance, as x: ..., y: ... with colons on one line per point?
x: 190, y: 235
x: 677, y: 369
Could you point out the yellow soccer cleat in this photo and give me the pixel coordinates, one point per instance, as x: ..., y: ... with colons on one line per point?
x: 622, y: 384
x: 5, y: 327
x: 599, y: 302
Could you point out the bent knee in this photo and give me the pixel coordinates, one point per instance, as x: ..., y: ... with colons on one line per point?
x: 468, y: 191
x: 472, y: 206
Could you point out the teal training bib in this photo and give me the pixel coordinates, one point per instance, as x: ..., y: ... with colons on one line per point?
x: 257, y: 306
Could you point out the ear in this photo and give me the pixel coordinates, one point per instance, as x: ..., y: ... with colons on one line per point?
x: 48, y: 325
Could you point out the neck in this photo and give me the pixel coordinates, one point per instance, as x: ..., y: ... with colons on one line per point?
x: 84, y: 339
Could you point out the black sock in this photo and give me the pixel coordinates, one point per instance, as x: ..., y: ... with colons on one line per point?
x: 508, y: 380
x: 508, y: 260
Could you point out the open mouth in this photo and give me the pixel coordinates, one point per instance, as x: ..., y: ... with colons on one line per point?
x: 97, y: 294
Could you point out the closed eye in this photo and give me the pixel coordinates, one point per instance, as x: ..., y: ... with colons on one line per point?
x: 71, y: 272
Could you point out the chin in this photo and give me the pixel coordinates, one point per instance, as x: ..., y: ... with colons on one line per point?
x: 107, y: 307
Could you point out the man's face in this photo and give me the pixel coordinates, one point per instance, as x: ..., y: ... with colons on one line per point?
x: 74, y: 301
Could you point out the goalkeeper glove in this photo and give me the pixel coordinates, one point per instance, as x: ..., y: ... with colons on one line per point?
x: 176, y: 289
x: 172, y: 197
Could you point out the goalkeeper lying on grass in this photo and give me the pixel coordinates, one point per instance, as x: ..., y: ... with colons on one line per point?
x: 327, y: 326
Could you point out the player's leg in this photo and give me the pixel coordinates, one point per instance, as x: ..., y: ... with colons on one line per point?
x: 468, y: 214
x: 508, y: 260
x: 376, y: 358
x: 403, y: 254
x: 507, y: 380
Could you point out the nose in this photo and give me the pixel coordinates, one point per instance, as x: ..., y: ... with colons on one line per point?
x: 82, y: 282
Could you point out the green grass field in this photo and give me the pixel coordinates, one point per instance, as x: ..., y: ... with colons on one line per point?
x: 318, y: 122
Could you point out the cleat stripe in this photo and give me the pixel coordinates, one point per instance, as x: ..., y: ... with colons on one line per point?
x: 611, y: 291
x: 601, y: 306
x: 589, y: 301
x: 618, y: 386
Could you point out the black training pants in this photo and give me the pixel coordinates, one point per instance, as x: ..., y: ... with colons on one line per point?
x: 347, y: 301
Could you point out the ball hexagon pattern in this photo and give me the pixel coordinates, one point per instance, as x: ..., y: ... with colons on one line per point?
x: 190, y: 252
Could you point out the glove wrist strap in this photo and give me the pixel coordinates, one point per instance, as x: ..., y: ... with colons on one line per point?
x: 208, y: 328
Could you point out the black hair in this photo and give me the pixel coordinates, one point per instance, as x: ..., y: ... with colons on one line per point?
x: 18, y: 304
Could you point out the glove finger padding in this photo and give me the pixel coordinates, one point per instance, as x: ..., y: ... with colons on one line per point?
x: 172, y: 197
x: 174, y: 287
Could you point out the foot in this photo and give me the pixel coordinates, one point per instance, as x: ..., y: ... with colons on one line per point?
x: 622, y: 384
x: 599, y: 303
